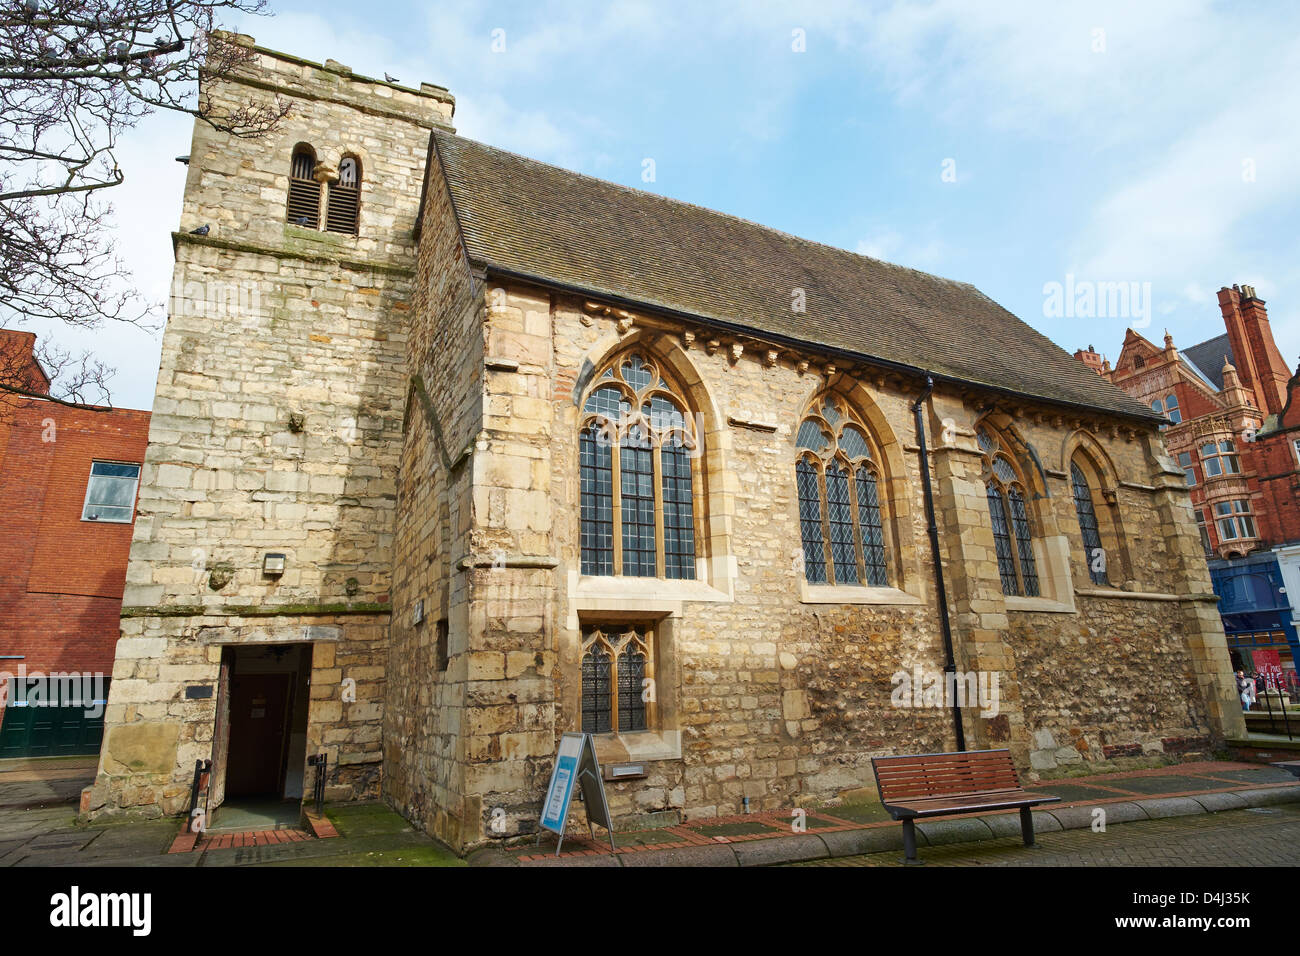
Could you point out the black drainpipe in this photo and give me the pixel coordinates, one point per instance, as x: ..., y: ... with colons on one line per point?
x: 950, y: 665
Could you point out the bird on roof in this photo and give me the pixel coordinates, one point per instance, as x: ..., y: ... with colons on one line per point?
x: 203, y: 230
x: 390, y: 78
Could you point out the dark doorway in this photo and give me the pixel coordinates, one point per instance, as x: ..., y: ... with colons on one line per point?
x: 260, y: 736
x: 258, y: 717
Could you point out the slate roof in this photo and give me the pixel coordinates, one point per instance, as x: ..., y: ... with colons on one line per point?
x: 531, y: 219
x: 1207, y: 357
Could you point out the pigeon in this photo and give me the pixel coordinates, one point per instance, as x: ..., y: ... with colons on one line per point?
x: 300, y: 221
x: 201, y: 231
x: 391, y: 79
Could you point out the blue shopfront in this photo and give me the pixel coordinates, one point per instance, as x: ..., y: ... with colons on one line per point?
x: 1257, y: 616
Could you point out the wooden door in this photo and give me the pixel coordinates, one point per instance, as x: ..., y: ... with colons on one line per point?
x: 258, y: 734
x: 220, y: 738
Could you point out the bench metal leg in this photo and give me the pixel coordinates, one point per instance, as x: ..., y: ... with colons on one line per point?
x: 909, y: 841
x: 1027, y: 826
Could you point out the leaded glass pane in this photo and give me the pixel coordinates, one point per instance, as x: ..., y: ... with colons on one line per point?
x: 663, y: 413
x: 636, y: 472
x: 596, y: 710
x: 596, y: 487
x: 1024, y: 544
x: 1002, y: 468
x: 631, y: 674
x: 830, y: 412
x: 810, y: 522
x: 812, y: 437
x: 844, y: 559
x: 1002, y: 540
x: 873, y: 532
x: 853, y: 443
x: 679, y: 516
x: 986, y: 441
x: 1088, y: 525
x: 609, y: 402
x: 636, y: 373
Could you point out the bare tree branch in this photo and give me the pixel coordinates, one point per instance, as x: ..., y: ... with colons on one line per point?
x: 74, y: 75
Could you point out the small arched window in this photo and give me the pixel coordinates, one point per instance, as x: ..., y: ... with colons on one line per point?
x: 636, y: 445
x: 1093, y: 552
x: 344, y: 206
x: 304, y: 191
x: 1010, y: 517
x: 838, y: 485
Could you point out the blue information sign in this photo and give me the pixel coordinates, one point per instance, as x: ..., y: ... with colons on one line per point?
x: 575, y: 766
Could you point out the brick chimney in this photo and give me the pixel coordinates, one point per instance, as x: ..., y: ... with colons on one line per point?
x: 18, y: 364
x: 1260, y: 365
x: 1090, y: 359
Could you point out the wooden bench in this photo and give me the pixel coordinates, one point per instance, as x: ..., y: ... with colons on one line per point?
x: 932, y: 785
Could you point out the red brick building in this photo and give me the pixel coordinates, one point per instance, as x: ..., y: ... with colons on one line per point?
x: 1234, y: 427
x: 68, y: 479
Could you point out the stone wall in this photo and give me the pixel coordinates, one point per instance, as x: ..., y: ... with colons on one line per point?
x: 769, y: 689
x: 277, y: 428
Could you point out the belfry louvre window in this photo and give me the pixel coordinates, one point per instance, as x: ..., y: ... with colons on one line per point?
x: 617, y: 670
x: 1011, y: 534
x: 1094, y: 554
x: 304, y: 191
x: 636, y: 446
x: 837, y: 482
x: 343, y: 207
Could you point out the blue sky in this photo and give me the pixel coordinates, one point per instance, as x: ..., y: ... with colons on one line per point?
x: 1009, y: 145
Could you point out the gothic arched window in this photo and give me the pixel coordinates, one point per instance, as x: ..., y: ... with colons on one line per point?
x: 343, y: 208
x: 838, y: 485
x: 635, y: 448
x: 1093, y: 552
x: 617, y: 664
x: 304, y: 191
x: 1010, y: 518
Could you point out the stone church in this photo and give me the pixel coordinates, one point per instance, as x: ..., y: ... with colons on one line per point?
x: 485, y: 451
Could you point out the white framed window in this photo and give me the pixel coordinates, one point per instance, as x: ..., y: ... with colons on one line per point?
x: 1185, y: 462
x: 1295, y: 444
x: 1220, y: 459
x: 1171, y: 409
x: 1234, y: 520
x: 110, y: 492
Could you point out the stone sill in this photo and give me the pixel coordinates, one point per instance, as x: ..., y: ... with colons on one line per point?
x: 1116, y: 594
x: 615, y: 593
x: 639, y: 745
x: 853, y: 594
x: 1043, y: 605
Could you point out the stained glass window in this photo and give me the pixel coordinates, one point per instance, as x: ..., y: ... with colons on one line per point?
x: 1009, y: 517
x: 840, y: 524
x: 1093, y: 553
x: 617, y: 668
x: 636, y: 449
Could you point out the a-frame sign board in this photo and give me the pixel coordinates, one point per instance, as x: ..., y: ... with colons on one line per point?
x: 575, y: 765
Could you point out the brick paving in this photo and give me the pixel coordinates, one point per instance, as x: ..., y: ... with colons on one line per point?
x: 1261, y: 837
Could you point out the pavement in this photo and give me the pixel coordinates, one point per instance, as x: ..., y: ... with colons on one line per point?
x: 1261, y: 836
x: 1206, y: 789
x: 1221, y: 807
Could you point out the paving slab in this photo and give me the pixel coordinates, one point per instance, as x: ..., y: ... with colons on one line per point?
x: 961, y: 830
x: 1217, y: 802
x: 1158, y: 808
x: 854, y: 842
x: 804, y: 846
x: 716, y: 855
